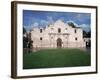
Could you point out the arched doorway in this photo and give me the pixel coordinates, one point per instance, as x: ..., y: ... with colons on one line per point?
x: 59, y: 43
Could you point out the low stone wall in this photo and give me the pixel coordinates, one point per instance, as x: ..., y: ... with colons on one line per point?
x: 53, y: 46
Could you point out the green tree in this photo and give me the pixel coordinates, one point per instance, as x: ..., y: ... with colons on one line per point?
x: 27, y: 41
x: 86, y: 34
x: 30, y: 43
x: 72, y: 24
x: 24, y: 30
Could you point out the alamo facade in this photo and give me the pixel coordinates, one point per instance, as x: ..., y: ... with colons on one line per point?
x: 57, y: 35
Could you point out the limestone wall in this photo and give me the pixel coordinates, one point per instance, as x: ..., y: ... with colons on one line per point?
x: 70, y: 37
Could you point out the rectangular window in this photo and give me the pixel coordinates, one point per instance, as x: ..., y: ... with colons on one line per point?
x: 75, y: 30
x: 59, y: 30
x: 40, y: 38
x: 76, y: 38
x: 40, y: 30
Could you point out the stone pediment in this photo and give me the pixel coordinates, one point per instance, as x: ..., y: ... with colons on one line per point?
x: 60, y: 24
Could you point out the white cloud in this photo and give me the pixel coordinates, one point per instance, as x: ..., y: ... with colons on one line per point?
x: 50, y: 19
x: 73, y: 22
x: 35, y: 24
x: 43, y: 23
x: 85, y: 27
x: 81, y: 17
x: 62, y: 18
x: 27, y: 27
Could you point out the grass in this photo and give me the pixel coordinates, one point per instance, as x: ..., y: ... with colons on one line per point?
x: 56, y: 58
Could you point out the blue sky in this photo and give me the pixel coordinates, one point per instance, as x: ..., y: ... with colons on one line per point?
x: 33, y: 18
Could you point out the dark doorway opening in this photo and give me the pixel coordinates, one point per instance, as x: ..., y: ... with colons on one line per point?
x: 59, y: 43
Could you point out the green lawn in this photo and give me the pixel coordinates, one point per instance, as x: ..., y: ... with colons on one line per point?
x: 56, y: 58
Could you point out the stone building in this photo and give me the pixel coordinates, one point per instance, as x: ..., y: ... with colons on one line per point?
x: 57, y: 35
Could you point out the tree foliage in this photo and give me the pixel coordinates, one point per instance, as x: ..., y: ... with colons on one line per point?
x: 24, y: 30
x: 86, y: 34
x: 72, y: 24
x: 27, y: 41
